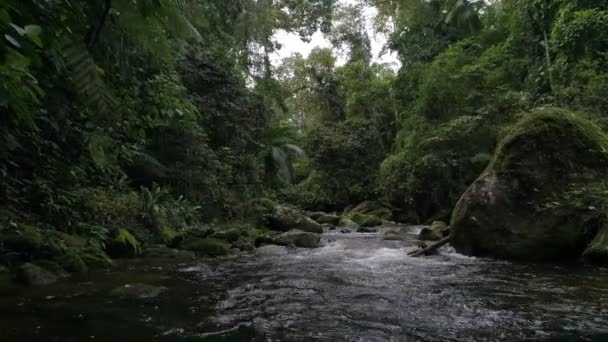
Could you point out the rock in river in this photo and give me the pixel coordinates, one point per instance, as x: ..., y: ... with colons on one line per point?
x: 285, y: 218
x: 539, y: 161
x: 34, y: 275
x: 298, y: 238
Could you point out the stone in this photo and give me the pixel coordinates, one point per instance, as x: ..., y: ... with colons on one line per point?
x: 327, y: 226
x: 34, y: 275
x: 298, y: 238
x: 429, y: 234
x: 347, y: 223
x: 329, y: 219
x: 315, y: 215
x: 244, y: 244
x: 285, y: 218
x: 538, y: 161
x: 394, y: 235
x: 229, y: 235
x: 138, y: 291
x: 364, y: 220
x: 207, y: 247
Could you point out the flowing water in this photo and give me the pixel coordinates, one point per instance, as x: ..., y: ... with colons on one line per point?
x: 357, y: 287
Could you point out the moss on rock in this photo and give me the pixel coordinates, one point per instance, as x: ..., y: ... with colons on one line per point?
x: 285, y: 218
x: 364, y: 220
x: 124, y: 245
x: 95, y: 258
x: 72, y: 262
x: 542, y: 155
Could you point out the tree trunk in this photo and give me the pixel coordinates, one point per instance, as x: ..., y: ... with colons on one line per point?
x: 433, y: 247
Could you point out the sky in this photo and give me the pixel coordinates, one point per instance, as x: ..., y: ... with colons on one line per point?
x: 291, y: 42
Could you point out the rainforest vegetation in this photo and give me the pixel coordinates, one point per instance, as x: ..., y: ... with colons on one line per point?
x: 127, y: 126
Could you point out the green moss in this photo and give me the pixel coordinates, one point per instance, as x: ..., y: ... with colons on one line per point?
x: 124, y: 244
x: 26, y: 240
x: 72, y: 262
x: 365, y: 220
x: 208, y: 247
x: 168, y: 234
x: 229, y: 235
x: 552, y: 129
x: 503, y: 213
x: 95, y: 258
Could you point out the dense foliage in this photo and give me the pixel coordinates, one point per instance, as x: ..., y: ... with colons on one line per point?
x: 165, y: 114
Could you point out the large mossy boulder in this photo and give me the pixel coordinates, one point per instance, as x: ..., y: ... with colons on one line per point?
x: 285, y: 219
x: 503, y: 213
x: 297, y: 238
x: 372, y: 208
x: 329, y: 219
x: 364, y: 220
x: 428, y: 234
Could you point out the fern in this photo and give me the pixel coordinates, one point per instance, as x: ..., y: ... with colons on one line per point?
x: 72, y: 55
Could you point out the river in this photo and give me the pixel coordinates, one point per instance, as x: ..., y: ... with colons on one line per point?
x: 357, y: 287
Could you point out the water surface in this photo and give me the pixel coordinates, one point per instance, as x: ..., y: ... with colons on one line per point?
x: 357, y: 287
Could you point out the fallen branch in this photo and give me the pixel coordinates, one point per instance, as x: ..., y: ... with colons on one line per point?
x: 431, y: 248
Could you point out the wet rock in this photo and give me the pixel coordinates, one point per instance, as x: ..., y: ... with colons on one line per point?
x: 207, y: 247
x: 367, y: 230
x: 230, y: 235
x: 372, y: 208
x: 347, y: 223
x: 244, y: 244
x: 271, y: 250
x: 365, y: 220
x: 298, y: 238
x: 394, y: 235
x: 329, y: 219
x: 345, y: 231
x: 138, y: 291
x: 327, y: 226
x: 285, y: 219
x: 429, y: 234
x: 315, y: 215
x: 34, y: 275
x: 540, y: 159
x: 439, y: 226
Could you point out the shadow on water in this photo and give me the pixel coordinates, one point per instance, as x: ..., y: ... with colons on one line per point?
x: 355, y: 288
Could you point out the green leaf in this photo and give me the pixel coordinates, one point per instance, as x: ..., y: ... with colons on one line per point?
x: 32, y: 32
x: 12, y: 40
